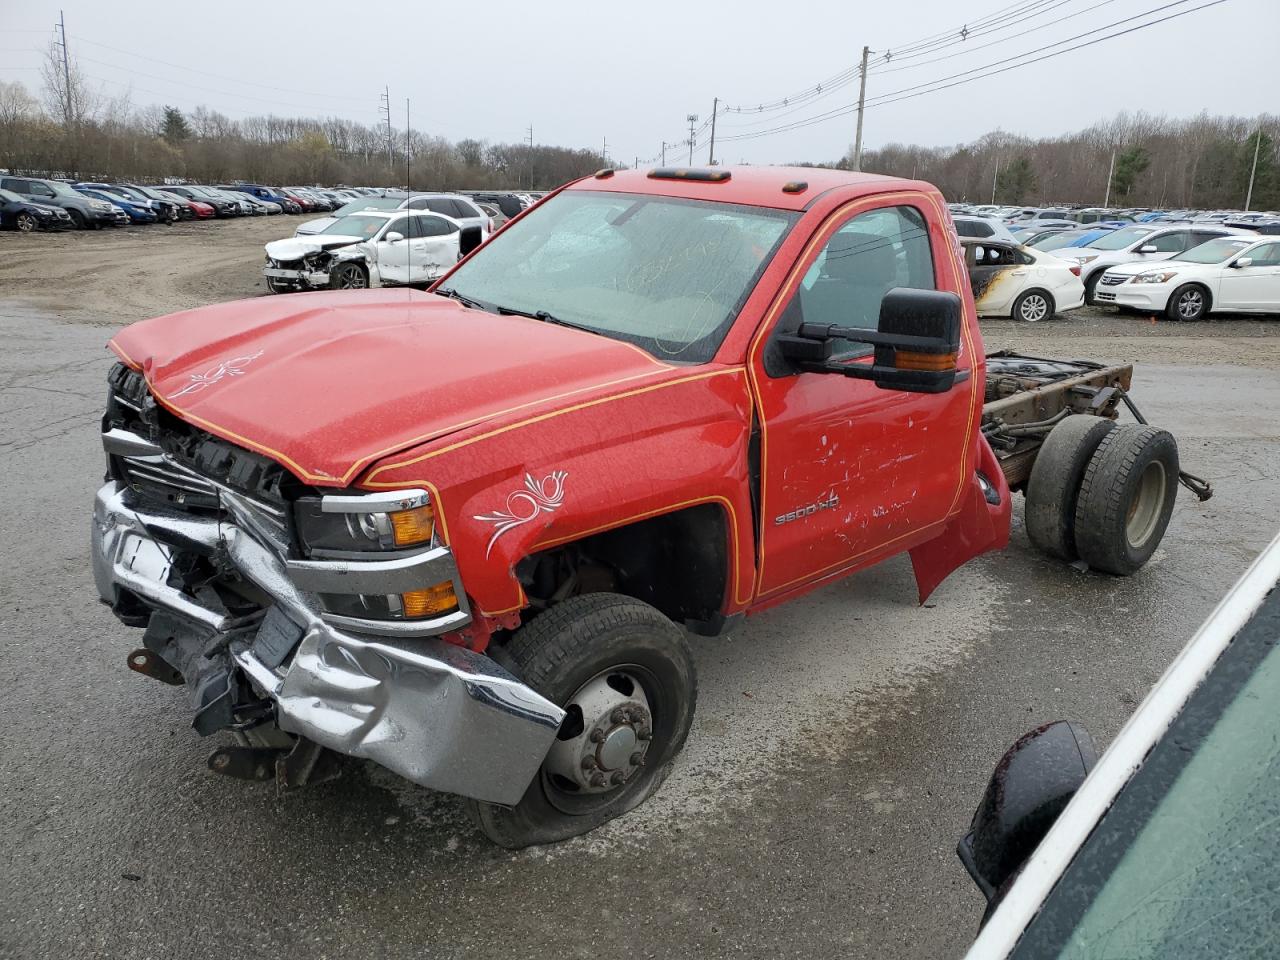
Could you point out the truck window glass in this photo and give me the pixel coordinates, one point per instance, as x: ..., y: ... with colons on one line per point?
x: 668, y: 275
x: 865, y: 259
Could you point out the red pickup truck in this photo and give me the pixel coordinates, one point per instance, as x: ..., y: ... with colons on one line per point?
x: 464, y: 533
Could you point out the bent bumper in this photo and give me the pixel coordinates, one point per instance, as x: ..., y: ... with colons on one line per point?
x: 435, y: 713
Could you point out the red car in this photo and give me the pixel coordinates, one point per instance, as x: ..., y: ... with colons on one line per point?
x: 463, y: 533
x: 200, y: 211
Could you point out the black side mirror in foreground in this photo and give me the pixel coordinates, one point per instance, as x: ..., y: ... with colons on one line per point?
x: 916, y: 342
x: 468, y: 240
x: 1030, y: 786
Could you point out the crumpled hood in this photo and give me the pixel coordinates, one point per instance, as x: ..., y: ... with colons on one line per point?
x: 295, y: 248
x: 328, y: 383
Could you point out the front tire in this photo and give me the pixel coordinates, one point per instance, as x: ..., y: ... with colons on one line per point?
x: 77, y: 218
x: 27, y: 223
x: 1091, y: 287
x: 625, y: 676
x: 1189, y: 302
x: 348, y: 276
x: 1033, y: 305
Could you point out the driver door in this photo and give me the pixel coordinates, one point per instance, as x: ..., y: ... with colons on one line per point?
x: 850, y: 472
x: 437, y: 248
x: 1257, y: 286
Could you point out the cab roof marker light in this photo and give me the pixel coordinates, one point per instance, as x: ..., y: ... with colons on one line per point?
x: 604, y: 174
x: 795, y: 186
x: 699, y: 174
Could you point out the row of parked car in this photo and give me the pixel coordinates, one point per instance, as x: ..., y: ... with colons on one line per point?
x: 1030, y: 263
x: 33, y: 203
x: 397, y: 238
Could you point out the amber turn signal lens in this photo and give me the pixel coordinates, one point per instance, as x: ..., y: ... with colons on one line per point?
x: 910, y: 360
x: 413, y: 526
x: 429, y: 600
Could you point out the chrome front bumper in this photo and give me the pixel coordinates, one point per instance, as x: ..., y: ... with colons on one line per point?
x: 433, y: 712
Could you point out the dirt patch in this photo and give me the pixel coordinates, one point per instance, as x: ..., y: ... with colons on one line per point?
x: 116, y: 276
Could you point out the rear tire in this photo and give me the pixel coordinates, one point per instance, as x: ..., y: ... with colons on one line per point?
x: 1032, y: 306
x: 562, y: 653
x: 1126, y: 498
x: 1091, y: 287
x: 1054, y: 485
x: 1189, y: 302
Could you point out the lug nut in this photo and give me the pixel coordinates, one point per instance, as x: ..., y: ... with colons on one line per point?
x: 597, y: 736
x: 637, y: 759
x: 644, y: 734
x: 619, y: 715
x: 618, y: 779
x: 597, y: 779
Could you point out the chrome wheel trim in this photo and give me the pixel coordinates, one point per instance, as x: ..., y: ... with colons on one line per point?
x: 26, y: 223
x: 1034, y: 307
x: 351, y: 279
x: 1190, y: 304
x: 606, y: 751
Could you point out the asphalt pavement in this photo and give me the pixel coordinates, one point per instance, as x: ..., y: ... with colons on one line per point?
x: 841, y: 744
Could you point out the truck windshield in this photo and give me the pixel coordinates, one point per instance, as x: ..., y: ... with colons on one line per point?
x: 665, y: 274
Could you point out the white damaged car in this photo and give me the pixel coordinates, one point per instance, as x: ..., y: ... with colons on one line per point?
x: 1009, y: 280
x: 369, y: 249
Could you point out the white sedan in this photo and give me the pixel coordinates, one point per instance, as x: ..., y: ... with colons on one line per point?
x: 1238, y: 274
x: 369, y: 249
x: 1019, y: 282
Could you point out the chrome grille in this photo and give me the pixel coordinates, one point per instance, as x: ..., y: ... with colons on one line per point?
x: 1112, y: 279
x: 172, y: 480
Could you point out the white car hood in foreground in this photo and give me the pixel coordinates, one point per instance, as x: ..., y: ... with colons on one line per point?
x: 313, y: 226
x: 1133, y: 268
x: 294, y: 248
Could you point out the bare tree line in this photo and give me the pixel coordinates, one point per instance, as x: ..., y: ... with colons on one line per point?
x: 71, y: 130
x: 1202, y: 162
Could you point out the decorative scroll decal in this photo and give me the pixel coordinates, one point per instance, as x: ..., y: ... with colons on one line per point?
x: 227, y: 368
x: 537, y: 497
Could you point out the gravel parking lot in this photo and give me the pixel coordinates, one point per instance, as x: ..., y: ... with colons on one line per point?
x: 841, y: 744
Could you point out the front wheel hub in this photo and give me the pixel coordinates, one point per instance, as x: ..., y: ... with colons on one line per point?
x: 606, y: 734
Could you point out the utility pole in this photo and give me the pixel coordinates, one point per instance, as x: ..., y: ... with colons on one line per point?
x: 384, y: 108
x: 1110, y: 171
x: 531, y: 156
x: 664, y: 153
x: 407, y: 187
x: 862, y: 102
x: 711, y: 157
x: 692, y: 118
x: 66, y: 67
x: 995, y: 178
x: 637, y: 166
x: 1257, y: 145
x: 604, y: 151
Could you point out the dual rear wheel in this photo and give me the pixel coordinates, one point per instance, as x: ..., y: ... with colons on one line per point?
x: 1102, y: 493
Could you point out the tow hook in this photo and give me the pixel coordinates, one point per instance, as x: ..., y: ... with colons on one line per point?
x: 304, y: 764
x: 145, y: 662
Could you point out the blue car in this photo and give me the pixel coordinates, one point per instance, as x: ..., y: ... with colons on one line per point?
x: 269, y: 194
x: 136, y: 211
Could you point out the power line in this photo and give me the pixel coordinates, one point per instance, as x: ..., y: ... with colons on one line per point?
x: 942, y: 84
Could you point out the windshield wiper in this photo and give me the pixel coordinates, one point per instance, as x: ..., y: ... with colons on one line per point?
x: 465, y: 301
x: 544, y: 315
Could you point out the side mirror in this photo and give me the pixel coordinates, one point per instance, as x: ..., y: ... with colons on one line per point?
x: 1147, y: 248
x: 916, y: 343
x: 1243, y: 262
x: 1030, y: 786
x: 468, y: 239
x: 393, y: 237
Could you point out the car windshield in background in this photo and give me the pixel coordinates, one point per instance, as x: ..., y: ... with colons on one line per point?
x: 1216, y: 251
x: 1183, y: 865
x: 356, y: 226
x: 62, y: 189
x: 372, y: 203
x: 1055, y: 241
x: 8, y: 197
x: 1121, y: 238
x: 667, y: 275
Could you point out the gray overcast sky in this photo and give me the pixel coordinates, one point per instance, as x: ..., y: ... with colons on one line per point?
x: 580, y: 72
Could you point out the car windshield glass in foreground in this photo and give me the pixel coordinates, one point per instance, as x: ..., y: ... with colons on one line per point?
x: 1215, y: 251
x: 356, y: 226
x: 1186, y: 863
x: 667, y: 275
x: 373, y: 203
x: 1121, y: 238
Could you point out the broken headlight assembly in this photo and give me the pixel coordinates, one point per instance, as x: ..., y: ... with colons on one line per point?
x: 375, y: 527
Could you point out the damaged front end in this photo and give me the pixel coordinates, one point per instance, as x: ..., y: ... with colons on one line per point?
x: 298, y: 264
x: 286, y: 639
